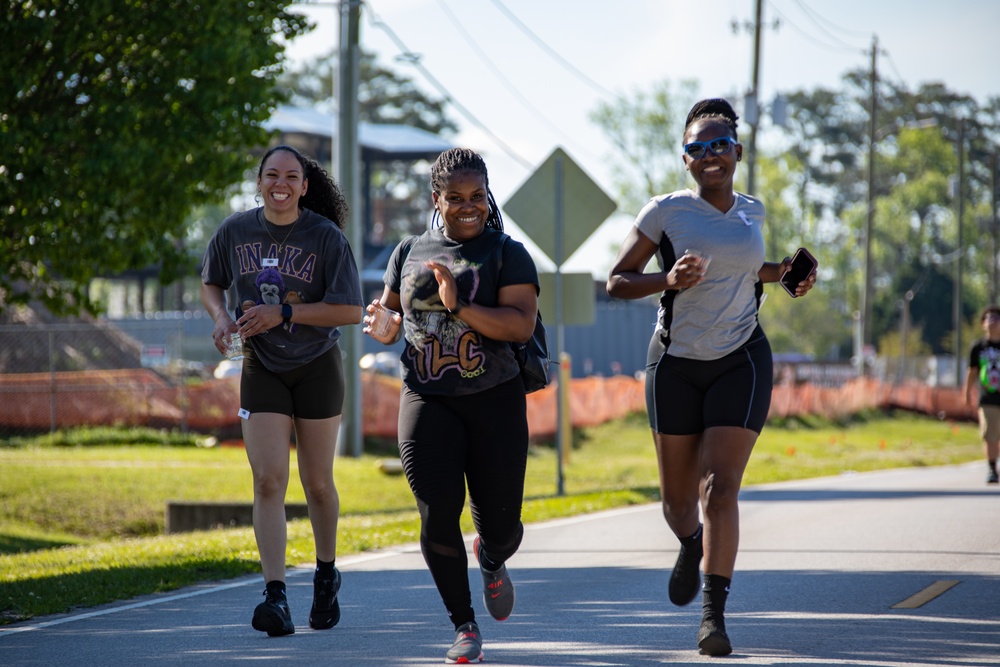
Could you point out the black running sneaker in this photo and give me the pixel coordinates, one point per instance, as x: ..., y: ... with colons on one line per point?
x: 325, y: 612
x: 498, y: 590
x: 468, y: 646
x: 712, y: 637
x: 684, y: 580
x: 273, y: 616
x: 991, y: 477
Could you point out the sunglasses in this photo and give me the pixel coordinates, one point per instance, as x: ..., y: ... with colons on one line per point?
x: 697, y: 149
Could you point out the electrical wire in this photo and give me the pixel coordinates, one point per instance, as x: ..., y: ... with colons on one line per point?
x: 413, y: 58
x: 816, y: 17
x: 832, y: 47
x: 500, y: 76
x: 892, y: 64
x: 572, y: 69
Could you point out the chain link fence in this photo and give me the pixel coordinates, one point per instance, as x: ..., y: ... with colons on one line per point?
x: 156, y: 373
x: 162, y: 371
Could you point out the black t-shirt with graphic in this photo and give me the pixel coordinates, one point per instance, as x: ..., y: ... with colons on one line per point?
x: 443, y: 355
x: 985, y: 358
x: 315, y: 264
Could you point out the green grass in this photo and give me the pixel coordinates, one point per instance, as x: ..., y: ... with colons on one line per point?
x: 81, y: 522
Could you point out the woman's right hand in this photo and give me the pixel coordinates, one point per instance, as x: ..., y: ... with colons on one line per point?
x: 687, y: 271
x: 381, y: 323
x: 224, y: 326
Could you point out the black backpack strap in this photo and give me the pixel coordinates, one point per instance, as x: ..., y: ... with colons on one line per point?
x: 499, y: 251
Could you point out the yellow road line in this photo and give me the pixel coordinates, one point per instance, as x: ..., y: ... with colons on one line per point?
x: 926, y: 595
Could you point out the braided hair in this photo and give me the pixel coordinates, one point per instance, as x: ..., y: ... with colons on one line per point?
x: 463, y: 159
x: 323, y: 196
x: 714, y: 108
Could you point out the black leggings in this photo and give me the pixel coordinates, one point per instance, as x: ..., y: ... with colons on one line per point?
x: 446, y: 441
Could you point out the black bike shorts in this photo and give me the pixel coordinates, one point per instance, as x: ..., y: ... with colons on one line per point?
x: 686, y: 396
x: 312, y: 391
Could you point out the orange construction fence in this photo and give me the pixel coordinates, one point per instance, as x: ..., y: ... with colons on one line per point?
x: 140, y: 397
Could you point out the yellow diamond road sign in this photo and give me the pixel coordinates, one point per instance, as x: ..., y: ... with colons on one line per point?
x: 584, y: 206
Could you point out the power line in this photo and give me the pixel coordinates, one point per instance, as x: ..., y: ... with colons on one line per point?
x: 892, y: 64
x: 414, y: 59
x: 572, y: 69
x: 816, y: 17
x: 503, y: 79
x: 832, y: 47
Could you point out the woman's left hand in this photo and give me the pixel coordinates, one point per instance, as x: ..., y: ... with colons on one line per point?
x: 259, y: 319
x: 803, y: 287
x: 447, y: 287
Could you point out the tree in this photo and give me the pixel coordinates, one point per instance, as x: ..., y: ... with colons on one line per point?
x: 387, y: 97
x: 791, y: 325
x: 915, y: 224
x: 816, y: 192
x: 119, y: 117
x: 647, y: 129
x: 384, y: 96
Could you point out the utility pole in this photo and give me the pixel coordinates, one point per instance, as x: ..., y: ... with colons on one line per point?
x: 996, y: 230
x: 754, y: 96
x: 348, y: 167
x: 959, y: 251
x: 866, y: 292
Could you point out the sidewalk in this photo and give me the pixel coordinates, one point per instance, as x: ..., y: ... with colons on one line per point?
x: 821, y: 566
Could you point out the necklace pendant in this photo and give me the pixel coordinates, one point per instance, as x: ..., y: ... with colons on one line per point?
x: 270, y: 261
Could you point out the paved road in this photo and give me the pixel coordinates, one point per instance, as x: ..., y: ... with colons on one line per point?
x: 823, y: 566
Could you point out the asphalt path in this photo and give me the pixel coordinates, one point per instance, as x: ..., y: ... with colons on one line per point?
x: 885, y: 569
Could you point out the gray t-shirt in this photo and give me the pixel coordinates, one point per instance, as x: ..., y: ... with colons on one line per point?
x: 717, y: 316
x: 315, y: 264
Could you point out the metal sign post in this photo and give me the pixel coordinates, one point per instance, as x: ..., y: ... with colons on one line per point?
x: 540, y: 208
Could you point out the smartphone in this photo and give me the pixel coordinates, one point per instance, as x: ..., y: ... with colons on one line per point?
x: 803, y: 264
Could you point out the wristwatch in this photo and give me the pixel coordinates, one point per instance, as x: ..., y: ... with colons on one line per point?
x: 460, y: 303
x: 286, y: 312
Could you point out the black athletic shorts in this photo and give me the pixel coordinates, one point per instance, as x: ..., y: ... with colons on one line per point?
x: 686, y: 396
x: 312, y: 391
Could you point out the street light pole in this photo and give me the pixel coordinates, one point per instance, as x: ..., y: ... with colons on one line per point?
x: 866, y: 293
x: 904, y: 332
x: 957, y: 292
x: 996, y: 229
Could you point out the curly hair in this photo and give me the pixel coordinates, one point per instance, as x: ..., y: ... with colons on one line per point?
x: 323, y: 195
x: 714, y: 108
x: 463, y: 159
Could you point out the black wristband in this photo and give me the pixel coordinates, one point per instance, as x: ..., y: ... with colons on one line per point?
x: 286, y: 312
x: 459, y: 305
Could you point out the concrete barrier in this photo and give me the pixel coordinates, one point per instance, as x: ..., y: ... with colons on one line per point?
x: 187, y: 516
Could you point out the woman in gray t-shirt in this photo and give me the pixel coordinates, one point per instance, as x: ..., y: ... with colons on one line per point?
x: 292, y: 282
x: 708, y: 375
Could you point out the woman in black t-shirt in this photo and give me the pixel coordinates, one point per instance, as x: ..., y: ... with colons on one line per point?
x: 459, y: 296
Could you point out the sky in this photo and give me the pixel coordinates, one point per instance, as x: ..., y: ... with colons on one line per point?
x: 529, y: 72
